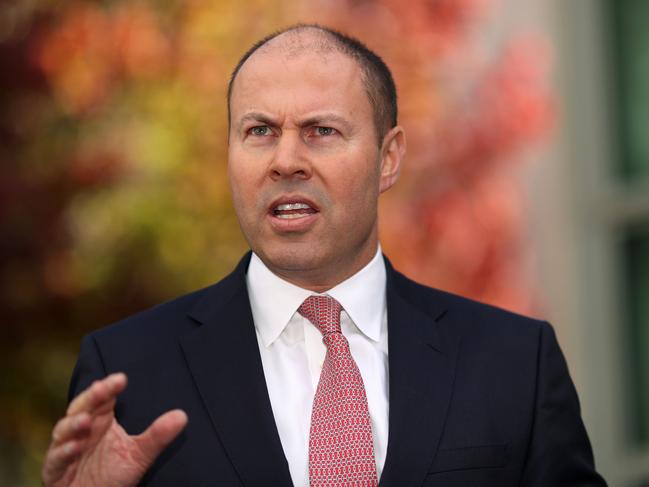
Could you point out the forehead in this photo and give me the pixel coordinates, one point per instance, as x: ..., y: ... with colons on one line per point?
x: 297, y: 75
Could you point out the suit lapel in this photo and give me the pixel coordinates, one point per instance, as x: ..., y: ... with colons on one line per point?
x: 224, y: 360
x: 421, y: 372
x: 223, y: 357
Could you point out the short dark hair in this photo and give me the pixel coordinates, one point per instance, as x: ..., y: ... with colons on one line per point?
x: 377, y: 78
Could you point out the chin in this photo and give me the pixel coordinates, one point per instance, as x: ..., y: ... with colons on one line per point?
x: 292, y: 258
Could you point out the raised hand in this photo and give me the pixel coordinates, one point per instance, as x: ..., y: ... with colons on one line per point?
x: 89, y: 447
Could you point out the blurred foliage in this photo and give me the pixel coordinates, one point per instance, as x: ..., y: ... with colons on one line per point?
x: 113, y: 192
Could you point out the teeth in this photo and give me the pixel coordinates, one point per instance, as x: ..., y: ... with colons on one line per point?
x: 292, y: 206
x: 291, y: 216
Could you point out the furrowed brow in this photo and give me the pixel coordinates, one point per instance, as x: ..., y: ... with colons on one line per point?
x: 324, y: 119
x: 256, y: 117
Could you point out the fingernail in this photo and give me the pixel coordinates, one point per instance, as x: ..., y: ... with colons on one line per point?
x: 68, y: 448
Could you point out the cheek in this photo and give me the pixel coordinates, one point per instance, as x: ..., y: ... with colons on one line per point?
x: 357, y: 195
x: 240, y: 192
x: 241, y: 176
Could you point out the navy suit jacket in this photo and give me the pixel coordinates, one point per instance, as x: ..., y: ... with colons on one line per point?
x: 478, y: 396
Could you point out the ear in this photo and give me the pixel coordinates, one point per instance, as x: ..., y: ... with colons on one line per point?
x: 393, y: 151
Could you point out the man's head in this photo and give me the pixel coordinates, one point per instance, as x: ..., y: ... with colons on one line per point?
x: 376, y: 76
x: 304, y: 166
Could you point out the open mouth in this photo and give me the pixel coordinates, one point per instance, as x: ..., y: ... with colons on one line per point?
x: 291, y: 211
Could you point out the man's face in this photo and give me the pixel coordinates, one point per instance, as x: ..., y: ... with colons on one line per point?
x: 304, y: 166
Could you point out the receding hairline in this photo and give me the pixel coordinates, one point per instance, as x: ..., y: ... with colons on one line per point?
x: 297, y: 39
x: 293, y: 42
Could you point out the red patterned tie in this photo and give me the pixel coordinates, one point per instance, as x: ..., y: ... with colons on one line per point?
x: 341, y: 452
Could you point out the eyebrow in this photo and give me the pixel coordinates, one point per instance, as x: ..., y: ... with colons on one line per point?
x: 257, y: 117
x: 323, y: 118
x: 318, y: 119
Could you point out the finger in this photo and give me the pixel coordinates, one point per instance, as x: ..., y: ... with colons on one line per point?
x: 161, y: 432
x: 58, y: 459
x: 71, y: 427
x: 99, y: 394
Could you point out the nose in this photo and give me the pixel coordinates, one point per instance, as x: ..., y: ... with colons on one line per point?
x: 290, y: 160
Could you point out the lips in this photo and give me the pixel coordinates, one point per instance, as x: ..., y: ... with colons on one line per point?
x: 292, y: 209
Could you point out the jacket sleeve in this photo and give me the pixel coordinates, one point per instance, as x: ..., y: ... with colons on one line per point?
x: 89, y: 367
x: 559, y: 453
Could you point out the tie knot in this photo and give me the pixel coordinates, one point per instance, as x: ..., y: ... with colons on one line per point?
x: 322, y: 311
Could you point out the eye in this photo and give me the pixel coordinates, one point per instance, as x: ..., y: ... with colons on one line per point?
x: 325, y: 131
x: 260, y: 131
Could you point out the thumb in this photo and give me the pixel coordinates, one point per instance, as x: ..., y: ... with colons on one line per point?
x: 161, y: 432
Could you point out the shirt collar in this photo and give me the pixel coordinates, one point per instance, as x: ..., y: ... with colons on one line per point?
x: 274, y: 301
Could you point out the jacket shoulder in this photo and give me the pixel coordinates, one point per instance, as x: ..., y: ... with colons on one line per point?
x: 466, y: 316
x: 172, y: 318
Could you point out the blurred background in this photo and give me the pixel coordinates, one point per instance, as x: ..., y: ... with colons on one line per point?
x: 526, y: 183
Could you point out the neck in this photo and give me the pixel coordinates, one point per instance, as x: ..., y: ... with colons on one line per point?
x: 320, y: 280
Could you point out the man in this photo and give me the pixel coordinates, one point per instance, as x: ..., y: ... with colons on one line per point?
x: 314, y: 362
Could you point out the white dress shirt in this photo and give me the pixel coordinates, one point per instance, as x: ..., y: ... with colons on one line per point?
x: 292, y: 353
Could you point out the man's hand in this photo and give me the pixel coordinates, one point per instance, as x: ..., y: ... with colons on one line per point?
x: 89, y: 447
